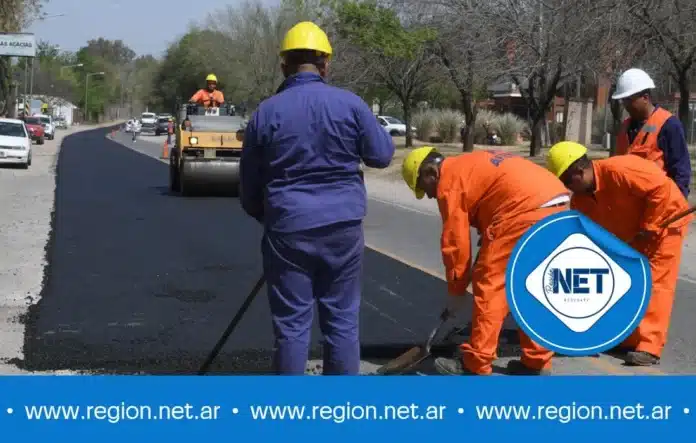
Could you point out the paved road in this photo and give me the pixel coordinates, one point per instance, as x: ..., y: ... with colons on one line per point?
x: 138, y: 281
x: 142, y: 281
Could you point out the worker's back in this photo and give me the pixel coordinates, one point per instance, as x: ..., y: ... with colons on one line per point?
x: 497, y: 185
x: 313, y: 138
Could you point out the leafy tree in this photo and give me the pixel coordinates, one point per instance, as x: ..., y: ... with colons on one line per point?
x: 397, y: 54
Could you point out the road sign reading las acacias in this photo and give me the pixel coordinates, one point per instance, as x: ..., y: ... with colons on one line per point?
x: 17, y: 45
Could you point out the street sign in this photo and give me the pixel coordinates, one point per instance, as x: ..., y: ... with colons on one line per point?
x: 17, y: 45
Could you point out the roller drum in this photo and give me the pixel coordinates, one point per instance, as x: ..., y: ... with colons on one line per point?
x: 210, y: 176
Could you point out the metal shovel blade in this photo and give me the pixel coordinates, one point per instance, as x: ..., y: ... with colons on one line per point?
x: 412, y: 357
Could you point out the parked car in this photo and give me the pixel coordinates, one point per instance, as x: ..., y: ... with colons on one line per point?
x: 15, y: 144
x: 60, y: 123
x: 162, y: 125
x: 393, y: 125
x: 36, y: 129
x: 47, y: 122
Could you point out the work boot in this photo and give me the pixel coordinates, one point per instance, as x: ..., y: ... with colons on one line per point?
x: 516, y: 367
x: 451, y: 366
x: 641, y: 358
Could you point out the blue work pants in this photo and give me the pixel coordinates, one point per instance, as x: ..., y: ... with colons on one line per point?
x: 322, y: 265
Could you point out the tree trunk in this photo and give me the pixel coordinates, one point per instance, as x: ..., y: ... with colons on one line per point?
x: 469, y: 110
x: 616, y: 123
x: 566, y: 111
x: 537, y: 131
x: 406, y: 106
x: 684, y: 96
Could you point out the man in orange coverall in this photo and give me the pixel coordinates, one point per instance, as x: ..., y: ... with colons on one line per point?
x: 210, y: 97
x: 502, y: 196
x: 630, y: 197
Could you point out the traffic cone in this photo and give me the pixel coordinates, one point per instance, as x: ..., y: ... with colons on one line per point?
x: 165, y: 150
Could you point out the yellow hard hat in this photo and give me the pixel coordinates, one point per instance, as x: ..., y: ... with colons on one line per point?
x: 306, y: 35
x: 411, y: 166
x: 562, y: 155
x: 211, y: 78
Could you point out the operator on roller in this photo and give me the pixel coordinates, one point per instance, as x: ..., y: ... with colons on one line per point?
x: 210, y: 97
x: 501, y: 195
x: 301, y: 177
x: 631, y: 197
x: 651, y: 131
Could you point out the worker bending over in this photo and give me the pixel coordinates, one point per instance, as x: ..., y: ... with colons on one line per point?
x: 651, y: 131
x: 301, y: 177
x: 210, y: 97
x: 502, y: 196
x: 630, y: 197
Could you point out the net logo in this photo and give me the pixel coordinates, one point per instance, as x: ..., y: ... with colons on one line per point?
x: 575, y: 288
x: 578, y: 283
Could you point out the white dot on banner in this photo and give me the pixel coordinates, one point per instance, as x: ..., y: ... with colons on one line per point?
x: 235, y: 411
x: 460, y: 410
x: 686, y: 410
x: 10, y: 410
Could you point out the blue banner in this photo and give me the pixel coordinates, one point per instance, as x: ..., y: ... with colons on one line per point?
x: 132, y: 409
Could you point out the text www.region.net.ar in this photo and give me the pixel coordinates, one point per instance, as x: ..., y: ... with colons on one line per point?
x: 559, y: 413
x: 124, y: 412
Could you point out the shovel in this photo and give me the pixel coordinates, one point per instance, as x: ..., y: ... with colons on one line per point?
x: 413, y: 356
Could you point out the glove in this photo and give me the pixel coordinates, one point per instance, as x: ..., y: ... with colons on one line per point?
x: 454, y: 304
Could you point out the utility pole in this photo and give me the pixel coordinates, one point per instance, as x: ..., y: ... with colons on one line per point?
x: 31, y: 83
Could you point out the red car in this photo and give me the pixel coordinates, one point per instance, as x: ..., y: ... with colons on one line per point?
x: 36, y: 129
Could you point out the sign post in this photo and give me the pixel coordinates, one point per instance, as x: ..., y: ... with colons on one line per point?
x: 21, y: 45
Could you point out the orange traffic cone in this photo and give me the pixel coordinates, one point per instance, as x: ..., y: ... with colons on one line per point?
x: 165, y: 150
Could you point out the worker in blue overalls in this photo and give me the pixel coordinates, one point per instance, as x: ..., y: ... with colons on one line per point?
x: 301, y: 177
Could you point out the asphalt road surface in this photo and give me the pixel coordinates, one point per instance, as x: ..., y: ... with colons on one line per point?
x: 142, y: 281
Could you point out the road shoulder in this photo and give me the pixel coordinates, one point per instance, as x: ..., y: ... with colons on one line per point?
x: 28, y: 199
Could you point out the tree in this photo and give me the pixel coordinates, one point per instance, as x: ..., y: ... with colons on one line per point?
x: 464, y: 48
x: 188, y: 61
x: 115, y: 59
x: 542, y: 43
x: 397, y: 53
x: 667, y: 26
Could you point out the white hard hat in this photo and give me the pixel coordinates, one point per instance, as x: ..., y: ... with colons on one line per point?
x: 632, y: 82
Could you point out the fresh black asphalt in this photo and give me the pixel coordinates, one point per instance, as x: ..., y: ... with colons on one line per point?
x: 142, y: 281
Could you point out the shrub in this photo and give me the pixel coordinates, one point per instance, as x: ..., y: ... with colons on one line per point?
x: 424, y: 122
x: 448, y: 125
x: 480, y: 132
x: 509, y: 127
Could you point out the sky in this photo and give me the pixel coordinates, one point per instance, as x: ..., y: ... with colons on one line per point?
x: 146, y: 26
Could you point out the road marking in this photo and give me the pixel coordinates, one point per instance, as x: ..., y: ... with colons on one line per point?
x: 399, y: 205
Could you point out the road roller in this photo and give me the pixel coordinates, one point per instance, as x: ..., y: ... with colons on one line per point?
x: 207, y: 150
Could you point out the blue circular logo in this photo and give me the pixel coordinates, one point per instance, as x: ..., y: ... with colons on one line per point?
x: 574, y: 287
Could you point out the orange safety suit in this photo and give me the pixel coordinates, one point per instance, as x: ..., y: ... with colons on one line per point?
x: 207, y: 98
x: 632, y: 195
x: 645, y: 144
x: 502, y: 196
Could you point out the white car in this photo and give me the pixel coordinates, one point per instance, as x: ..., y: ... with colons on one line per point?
x: 393, y: 125
x: 15, y: 143
x: 49, y: 127
x: 148, y: 122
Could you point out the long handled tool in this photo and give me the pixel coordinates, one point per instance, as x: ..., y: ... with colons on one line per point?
x: 672, y: 219
x: 413, y: 356
x: 233, y: 325
x: 679, y: 216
